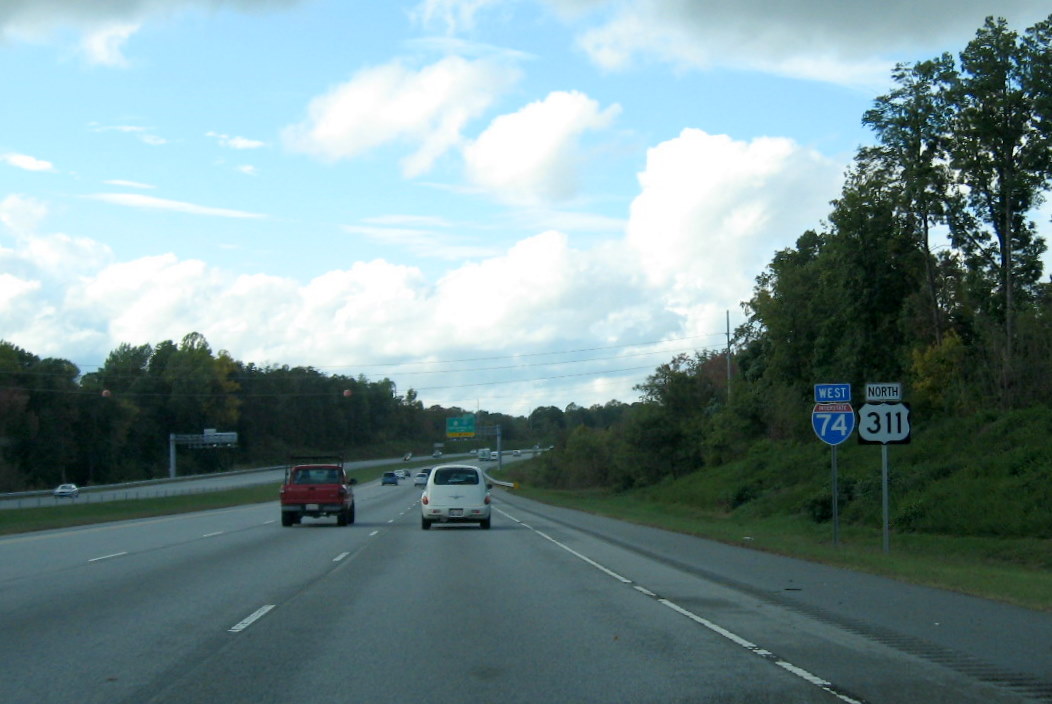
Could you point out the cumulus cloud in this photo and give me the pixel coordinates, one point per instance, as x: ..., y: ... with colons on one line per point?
x: 136, y: 200
x: 38, y: 269
x: 26, y: 162
x: 712, y: 211
x: 533, y: 155
x: 540, y: 292
x: 845, y: 42
x: 427, y: 108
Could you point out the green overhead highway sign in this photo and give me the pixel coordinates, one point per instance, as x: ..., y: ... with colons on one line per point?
x: 460, y: 427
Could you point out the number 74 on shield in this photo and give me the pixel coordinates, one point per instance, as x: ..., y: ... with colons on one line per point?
x: 833, y: 422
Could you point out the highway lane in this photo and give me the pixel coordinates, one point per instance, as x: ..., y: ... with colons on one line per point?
x: 548, y: 605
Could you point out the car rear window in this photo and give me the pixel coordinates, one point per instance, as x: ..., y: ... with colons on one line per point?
x: 317, y: 476
x: 456, y: 476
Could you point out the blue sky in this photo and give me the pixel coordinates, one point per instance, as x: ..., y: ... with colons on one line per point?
x: 501, y: 203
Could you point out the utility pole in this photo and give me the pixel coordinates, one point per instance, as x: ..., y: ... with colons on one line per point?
x: 728, y: 356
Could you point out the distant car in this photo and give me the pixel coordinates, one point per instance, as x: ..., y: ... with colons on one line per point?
x: 407, y: 456
x: 436, y: 453
x: 389, y: 478
x: 402, y: 473
x: 455, y: 493
x: 66, y: 491
x: 420, y: 479
x: 517, y: 453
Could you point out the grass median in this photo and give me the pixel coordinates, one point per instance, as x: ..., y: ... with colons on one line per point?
x: 84, y: 511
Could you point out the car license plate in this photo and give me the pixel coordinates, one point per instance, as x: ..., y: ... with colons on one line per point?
x: 456, y: 512
x: 312, y: 507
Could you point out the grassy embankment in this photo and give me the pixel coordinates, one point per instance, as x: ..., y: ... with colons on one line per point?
x: 971, y: 505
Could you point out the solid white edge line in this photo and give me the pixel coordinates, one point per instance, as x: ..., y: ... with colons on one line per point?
x: 589, y: 560
x: 258, y: 614
x: 800, y: 672
x: 803, y: 674
x: 106, y: 557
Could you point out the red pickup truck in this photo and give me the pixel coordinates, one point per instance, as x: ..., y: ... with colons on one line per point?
x: 317, y: 489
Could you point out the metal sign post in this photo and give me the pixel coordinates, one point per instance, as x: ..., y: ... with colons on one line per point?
x: 884, y: 420
x: 833, y: 424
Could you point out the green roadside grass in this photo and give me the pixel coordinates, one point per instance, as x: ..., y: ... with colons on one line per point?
x: 78, y: 513
x: 1015, y: 571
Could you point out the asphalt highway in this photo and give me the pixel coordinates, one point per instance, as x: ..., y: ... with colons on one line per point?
x: 549, y: 605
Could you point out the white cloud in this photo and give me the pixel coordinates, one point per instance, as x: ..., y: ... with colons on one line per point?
x: 21, y: 215
x: 143, y: 134
x: 24, y: 161
x: 247, y: 169
x: 135, y: 200
x: 712, y: 211
x: 455, y: 15
x: 533, y: 155
x: 104, y: 45
x: 226, y: 140
x: 428, y: 108
x: 421, y: 241
x: 95, y: 127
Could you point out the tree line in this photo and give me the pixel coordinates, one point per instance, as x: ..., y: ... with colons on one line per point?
x: 962, y: 155
x: 58, y: 424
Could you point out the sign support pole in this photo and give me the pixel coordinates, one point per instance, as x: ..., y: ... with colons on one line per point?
x: 836, y: 504
x: 884, y: 491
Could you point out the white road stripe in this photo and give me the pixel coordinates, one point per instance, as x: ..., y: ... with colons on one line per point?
x: 803, y: 674
x: 373, y: 533
x: 106, y: 557
x: 589, y: 560
x: 340, y: 556
x: 212, y: 535
x: 259, y: 613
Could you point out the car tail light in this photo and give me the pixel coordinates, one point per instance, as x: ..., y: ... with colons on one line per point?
x: 424, y: 501
x: 487, y: 498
